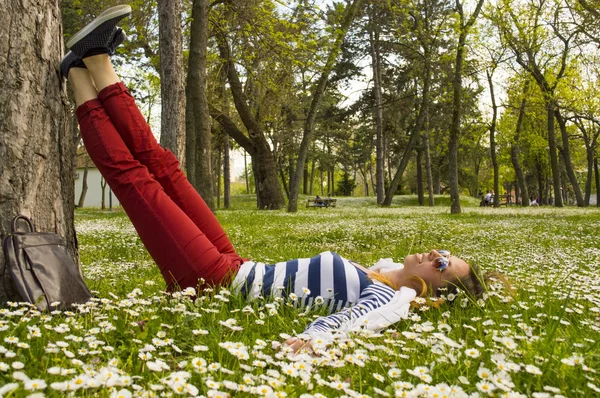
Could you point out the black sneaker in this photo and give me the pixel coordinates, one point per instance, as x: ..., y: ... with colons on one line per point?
x: 118, y: 38
x: 99, y: 32
x: 71, y: 60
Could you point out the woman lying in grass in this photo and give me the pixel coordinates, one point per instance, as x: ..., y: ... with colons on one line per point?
x: 185, y: 239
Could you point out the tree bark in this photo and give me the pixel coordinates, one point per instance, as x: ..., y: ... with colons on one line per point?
x: 378, y: 111
x: 515, y: 150
x: 196, y: 90
x: 566, y: 155
x: 37, y: 151
x: 172, y: 125
x: 317, y: 94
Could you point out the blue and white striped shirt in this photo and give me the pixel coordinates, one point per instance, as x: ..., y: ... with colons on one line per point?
x: 326, y: 279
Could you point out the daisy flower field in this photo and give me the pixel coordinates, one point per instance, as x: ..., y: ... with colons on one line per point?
x: 135, y: 340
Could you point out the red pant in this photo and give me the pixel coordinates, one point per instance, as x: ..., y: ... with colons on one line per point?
x: 180, y: 232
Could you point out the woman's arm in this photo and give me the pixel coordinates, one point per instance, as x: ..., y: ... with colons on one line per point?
x: 372, y: 298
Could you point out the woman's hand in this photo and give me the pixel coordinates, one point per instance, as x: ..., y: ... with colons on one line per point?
x: 296, y: 344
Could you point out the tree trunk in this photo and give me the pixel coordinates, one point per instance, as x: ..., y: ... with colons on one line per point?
x: 322, y: 181
x: 597, y: 181
x: 420, y: 193
x: 493, y: 140
x: 305, y: 179
x: 590, y: 145
x: 172, y: 125
x: 515, y: 150
x: 428, y: 170
x: 550, y: 107
x: 246, y: 172
x: 264, y: 173
x: 372, y: 178
x: 540, y: 181
x: 566, y: 155
x: 196, y: 89
x: 217, y: 168
x: 317, y: 95
x: 190, y: 138
x: 456, y: 105
x: 378, y: 111
x: 84, y: 184
x: 312, y: 177
x: 226, y: 174
x: 37, y: 150
x: 283, y: 178
x: 103, y: 188
x: 590, y: 173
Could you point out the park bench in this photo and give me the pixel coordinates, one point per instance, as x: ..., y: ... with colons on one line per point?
x: 505, y: 200
x: 323, y: 202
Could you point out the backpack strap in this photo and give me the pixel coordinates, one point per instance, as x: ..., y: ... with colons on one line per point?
x: 14, y: 226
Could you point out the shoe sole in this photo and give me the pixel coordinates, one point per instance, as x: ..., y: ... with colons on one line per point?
x: 116, y: 12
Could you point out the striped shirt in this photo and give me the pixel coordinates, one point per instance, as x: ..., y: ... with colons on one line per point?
x: 327, y: 280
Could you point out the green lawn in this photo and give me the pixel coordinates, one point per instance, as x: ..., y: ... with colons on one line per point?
x: 135, y: 339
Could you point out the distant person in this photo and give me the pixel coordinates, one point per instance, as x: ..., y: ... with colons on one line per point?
x: 533, y: 201
x: 186, y: 240
x: 489, y: 198
x: 319, y: 201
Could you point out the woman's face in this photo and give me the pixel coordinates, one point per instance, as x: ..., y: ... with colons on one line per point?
x: 423, y: 265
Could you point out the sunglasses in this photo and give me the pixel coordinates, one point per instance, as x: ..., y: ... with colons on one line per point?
x: 441, y: 263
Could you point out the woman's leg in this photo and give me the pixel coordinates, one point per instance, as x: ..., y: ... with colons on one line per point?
x: 161, y: 163
x: 181, y: 250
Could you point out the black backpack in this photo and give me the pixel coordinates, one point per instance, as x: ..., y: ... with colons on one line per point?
x: 41, y: 268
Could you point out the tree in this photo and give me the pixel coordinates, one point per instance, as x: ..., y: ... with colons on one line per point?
x: 268, y: 191
x: 38, y: 151
x: 172, y: 130
x: 198, y: 134
x: 515, y: 148
x: 546, y: 59
x: 463, y: 31
x: 420, y: 41
x: 317, y: 94
x: 376, y: 66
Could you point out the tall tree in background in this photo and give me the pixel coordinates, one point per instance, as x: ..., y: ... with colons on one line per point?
x: 268, y: 192
x: 172, y: 129
x: 463, y: 30
x: 38, y: 152
x: 378, y: 112
x: 421, y: 42
x: 515, y: 148
x: 523, y: 30
x: 198, y: 134
x: 317, y: 94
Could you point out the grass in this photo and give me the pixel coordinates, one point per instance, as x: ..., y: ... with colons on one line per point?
x: 135, y: 339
